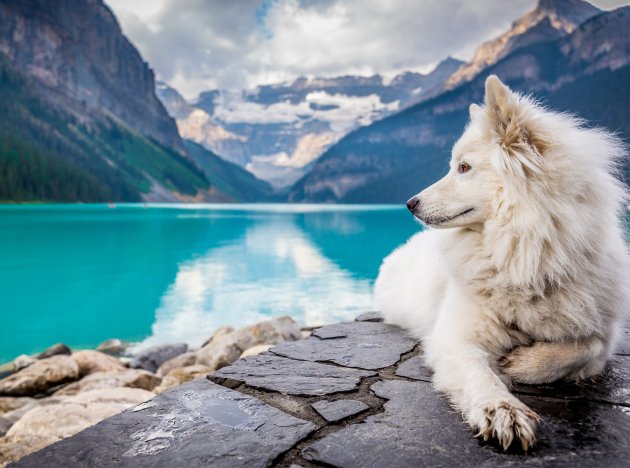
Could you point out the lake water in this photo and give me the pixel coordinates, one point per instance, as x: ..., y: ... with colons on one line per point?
x: 80, y: 274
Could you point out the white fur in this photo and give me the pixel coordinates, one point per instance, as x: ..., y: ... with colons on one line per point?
x: 531, y: 282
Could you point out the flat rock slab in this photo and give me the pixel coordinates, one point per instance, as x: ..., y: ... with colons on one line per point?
x: 196, y: 424
x: 288, y: 376
x: 613, y: 386
x: 364, y: 345
x: 333, y: 411
x: 418, y: 428
x: 370, y: 317
x: 414, y: 368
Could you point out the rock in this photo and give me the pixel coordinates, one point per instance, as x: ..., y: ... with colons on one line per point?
x: 369, y: 317
x: 5, y: 425
x: 40, y: 376
x: 419, y: 428
x: 288, y: 376
x: 333, y: 411
x: 224, y: 330
x: 255, y: 350
x: 12, y: 403
x: 113, y: 347
x: 13, y: 448
x: 152, y: 358
x: 365, y: 345
x: 196, y: 424
x: 183, y: 360
x: 414, y: 368
x: 118, y: 395
x: 90, y: 361
x: 182, y: 375
x: 6, y: 369
x: 54, y: 350
x: 134, y: 378
x: 22, y: 362
x: 74, y: 414
x: 16, y: 414
x: 228, y: 347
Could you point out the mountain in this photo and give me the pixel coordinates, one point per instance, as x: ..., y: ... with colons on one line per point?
x: 585, y: 72
x: 79, y: 117
x: 277, y: 131
x: 550, y: 19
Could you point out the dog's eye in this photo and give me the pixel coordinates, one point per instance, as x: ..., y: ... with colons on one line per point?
x: 463, y: 167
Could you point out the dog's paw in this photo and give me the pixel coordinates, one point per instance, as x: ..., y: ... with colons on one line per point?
x: 507, y: 422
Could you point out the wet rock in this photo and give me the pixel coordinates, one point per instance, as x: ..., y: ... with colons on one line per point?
x: 225, y: 349
x: 288, y: 376
x: 54, y: 350
x: 623, y: 347
x: 418, y: 428
x: 134, y: 378
x: 333, y: 411
x: 22, y: 362
x: 113, y: 347
x: 5, y: 425
x: 196, y: 424
x: 182, y: 375
x: 183, y: 360
x: 12, y: 403
x: 612, y: 386
x: 40, y: 376
x: 255, y: 350
x: 152, y: 358
x: 74, y: 414
x: 370, y: 317
x: 90, y: 361
x: 414, y: 368
x: 12, y: 448
x: 364, y: 345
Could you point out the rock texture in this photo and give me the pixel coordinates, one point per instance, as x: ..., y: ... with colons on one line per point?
x: 40, y: 376
x: 133, y: 378
x: 152, y: 358
x: 90, y: 361
x: 197, y: 424
x: 271, y: 410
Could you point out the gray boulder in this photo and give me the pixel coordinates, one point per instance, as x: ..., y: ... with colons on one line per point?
x: 152, y: 358
x: 113, y: 347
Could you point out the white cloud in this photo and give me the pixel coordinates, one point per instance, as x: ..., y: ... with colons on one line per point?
x: 197, y: 45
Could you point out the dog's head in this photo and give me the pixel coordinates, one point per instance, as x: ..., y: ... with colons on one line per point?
x: 498, y: 141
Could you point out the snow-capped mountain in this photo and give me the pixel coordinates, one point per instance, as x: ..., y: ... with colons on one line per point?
x: 277, y: 131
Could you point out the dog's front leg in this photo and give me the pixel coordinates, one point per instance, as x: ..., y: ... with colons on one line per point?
x: 463, y: 370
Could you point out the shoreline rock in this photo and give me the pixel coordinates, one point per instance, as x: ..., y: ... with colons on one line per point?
x: 58, y: 392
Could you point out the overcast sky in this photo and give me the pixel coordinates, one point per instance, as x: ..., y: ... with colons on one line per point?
x: 196, y: 45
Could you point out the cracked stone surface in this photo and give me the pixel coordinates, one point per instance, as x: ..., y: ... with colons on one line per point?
x: 418, y: 428
x: 197, y: 424
x: 365, y: 345
x: 333, y: 411
x: 289, y: 376
x: 352, y: 395
x: 414, y: 368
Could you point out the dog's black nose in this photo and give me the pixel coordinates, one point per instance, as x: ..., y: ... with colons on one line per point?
x: 413, y: 203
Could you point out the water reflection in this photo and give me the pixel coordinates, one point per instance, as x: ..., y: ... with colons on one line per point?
x: 273, y: 269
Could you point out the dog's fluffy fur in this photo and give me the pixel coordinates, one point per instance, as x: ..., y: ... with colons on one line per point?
x: 531, y: 282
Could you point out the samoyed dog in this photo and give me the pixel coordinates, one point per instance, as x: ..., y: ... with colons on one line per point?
x: 523, y: 275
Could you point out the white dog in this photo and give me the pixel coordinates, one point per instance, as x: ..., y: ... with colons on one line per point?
x: 530, y: 282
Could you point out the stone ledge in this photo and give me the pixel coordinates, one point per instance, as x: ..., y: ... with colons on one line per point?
x: 353, y: 394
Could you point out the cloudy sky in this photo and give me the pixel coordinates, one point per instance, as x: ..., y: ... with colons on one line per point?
x: 196, y: 45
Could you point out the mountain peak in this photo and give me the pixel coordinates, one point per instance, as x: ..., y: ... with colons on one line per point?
x: 563, y: 16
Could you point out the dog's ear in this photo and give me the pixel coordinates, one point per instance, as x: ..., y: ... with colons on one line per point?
x: 500, y: 103
x: 475, y: 111
x: 504, y: 111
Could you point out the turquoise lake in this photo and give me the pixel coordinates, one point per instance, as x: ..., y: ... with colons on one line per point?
x: 80, y: 274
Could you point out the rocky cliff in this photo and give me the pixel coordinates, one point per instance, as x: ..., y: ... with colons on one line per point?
x: 78, y: 58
